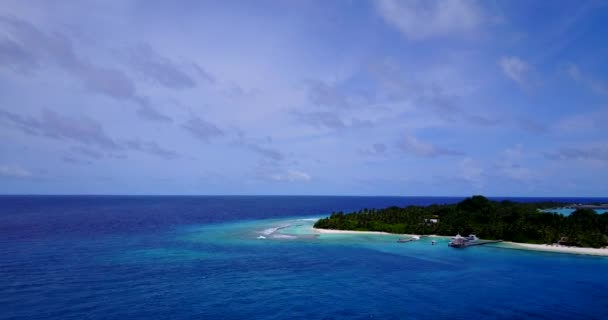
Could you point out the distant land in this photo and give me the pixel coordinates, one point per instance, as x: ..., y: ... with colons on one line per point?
x: 521, y: 222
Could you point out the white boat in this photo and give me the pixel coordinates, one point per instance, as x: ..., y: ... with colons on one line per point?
x: 261, y: 237
x: 472, y: 237
x: 460, y: 242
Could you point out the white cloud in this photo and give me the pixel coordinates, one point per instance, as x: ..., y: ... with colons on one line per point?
x: 419, y: 19
x: 592, y: 152
x: 14, y: 171
x: 316, y: 98
x: 377, y: 149
x: 290, y: 176
x: 575, y: 72
x: 471, y: 172
x: 510, y: 165
x: 273, y: 171
x: 596, y: 85
x: 413, y: 145
x: 582, y: 122
x: 515, y: 69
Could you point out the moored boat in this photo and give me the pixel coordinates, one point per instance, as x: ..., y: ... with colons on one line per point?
x: 472, y: 237
x: 412, y: 238
x: 458, y: 241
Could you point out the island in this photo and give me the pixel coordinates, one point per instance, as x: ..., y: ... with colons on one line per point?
x: 518, y: 222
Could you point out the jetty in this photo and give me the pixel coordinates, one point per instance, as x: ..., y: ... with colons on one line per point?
x: 462, y: 242
x: 475, y: 243
x: 412, y: 238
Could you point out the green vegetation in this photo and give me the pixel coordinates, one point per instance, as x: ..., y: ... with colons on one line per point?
x: 505, y: 220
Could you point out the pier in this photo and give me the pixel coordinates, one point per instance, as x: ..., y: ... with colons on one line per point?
x: 462, y: 242
x: 412, y: 238
x: 465, y: 244
x: 402, y: 240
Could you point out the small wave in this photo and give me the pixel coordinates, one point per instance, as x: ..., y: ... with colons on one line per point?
x: 270, y: 231
x: 283, y: 236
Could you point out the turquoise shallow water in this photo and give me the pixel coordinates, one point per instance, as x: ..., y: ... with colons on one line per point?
x: 200, y: 258
x: 373, y: 275
x: 566, y: 211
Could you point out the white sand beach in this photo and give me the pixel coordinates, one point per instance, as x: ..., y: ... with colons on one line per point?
x: 513, y: 245
x: 558, y: 248
x: 332, y: 231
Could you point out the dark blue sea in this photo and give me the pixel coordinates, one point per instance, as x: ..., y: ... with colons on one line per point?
x: 249, y: 257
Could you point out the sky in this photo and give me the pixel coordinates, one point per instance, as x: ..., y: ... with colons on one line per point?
x: 387, y: 97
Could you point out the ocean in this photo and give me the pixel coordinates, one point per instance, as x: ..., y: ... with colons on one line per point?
x: 161, y: 257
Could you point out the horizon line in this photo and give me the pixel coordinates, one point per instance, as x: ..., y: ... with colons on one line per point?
x: 285, y: 195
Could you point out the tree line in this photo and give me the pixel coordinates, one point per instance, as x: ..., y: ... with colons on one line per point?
x: 504, y: 220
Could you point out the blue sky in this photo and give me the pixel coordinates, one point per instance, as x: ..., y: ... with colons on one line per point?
x: 505, y: 98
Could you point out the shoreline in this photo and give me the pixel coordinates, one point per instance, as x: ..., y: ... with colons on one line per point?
x: 335, y: 231
x: 557, y: 248
x: 510, y: 245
